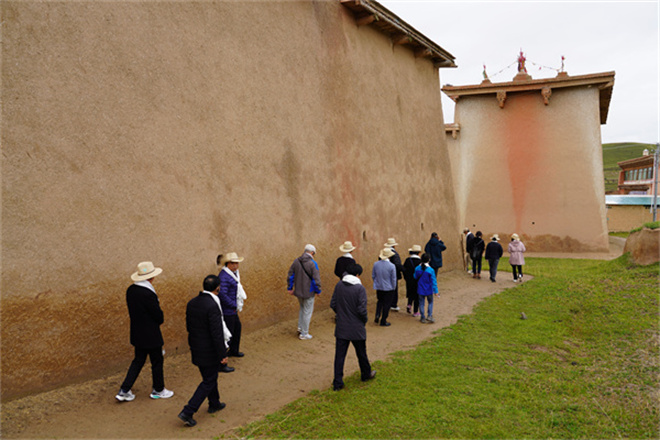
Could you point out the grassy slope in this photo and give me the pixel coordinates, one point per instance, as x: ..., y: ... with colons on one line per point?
x: 613, y: 153
x: 583, y: 365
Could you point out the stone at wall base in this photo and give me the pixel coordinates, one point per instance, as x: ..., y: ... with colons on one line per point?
x: 644, y: 246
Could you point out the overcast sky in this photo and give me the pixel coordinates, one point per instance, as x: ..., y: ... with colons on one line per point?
x: 593, y: 36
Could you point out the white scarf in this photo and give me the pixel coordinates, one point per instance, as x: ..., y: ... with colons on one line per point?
x: 145, y: 283
x: 351, y: 279
x: 240, y: 292
x: 225, y: 330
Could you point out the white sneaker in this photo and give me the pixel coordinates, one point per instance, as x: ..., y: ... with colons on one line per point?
x: 515, y: 280
x: 164, y: 394
x: 125, y: 396
x: 395, y: 309
x: 303, y: 337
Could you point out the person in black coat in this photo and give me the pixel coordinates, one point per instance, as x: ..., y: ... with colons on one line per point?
x: 469, y: 239
x: 494, y: 252
x: 349, y: 301
x: 409, y: 266
x: 476, y: 253
x: 207, y: 347
x: 146, y: 318
x: 345, y: 260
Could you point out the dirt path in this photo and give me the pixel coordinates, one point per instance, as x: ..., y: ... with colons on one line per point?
x: 277, y: 369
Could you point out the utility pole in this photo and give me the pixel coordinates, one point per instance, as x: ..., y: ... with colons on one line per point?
x: 655, y: 181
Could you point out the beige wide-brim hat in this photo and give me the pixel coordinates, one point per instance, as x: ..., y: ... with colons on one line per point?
x: 385, y: 254
x: 415, y: 248
x: 515, y: 236
x: 232, y: 257
x: 391, y: 242
x: 495, y: 237
x: 347, y: 247
x: 146, y: 271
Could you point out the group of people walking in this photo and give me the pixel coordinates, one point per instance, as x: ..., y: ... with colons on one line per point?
x: 214, y: 327
x: 214, y: 332
x: 475, y: 247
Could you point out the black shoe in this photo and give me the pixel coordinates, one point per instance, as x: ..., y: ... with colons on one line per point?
x: 188, y: 420
x: 340, y: 387
x: 239, y: 354
x: 387, y: 324
x: 371, y: 376
x: 226, y: 369
x: 215, y: 409
x: 377, y: 319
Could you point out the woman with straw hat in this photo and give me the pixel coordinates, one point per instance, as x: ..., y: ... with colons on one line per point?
x: 409, y: 266
x: 516, y: 258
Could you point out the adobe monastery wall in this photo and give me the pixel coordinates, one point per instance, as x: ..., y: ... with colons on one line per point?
x: 532, y: 168
x: 171, y: 131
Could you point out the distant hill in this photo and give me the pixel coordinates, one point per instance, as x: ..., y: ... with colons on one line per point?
x: 617, y: 152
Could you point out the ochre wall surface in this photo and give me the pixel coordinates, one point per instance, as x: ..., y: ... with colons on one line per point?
x: 532, y: 169
x: 172, y: 131
x: 626, y: 217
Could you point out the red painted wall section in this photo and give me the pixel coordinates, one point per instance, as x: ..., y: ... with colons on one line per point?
x: 524, y: 139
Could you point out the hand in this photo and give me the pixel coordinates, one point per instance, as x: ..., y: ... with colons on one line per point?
x: 224, y: 361
x: 290, y: 292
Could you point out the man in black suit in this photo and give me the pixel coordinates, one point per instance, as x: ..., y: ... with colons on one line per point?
x: 207, y: 347
x: 146, y: 317
x: 349, y: 301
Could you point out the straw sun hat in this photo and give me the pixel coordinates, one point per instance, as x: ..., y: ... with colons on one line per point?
x: 347, y: 247
x: 146, y: 271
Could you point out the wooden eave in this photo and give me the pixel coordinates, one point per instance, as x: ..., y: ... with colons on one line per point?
x: 604, y: 81
x: 636, y: 162
x: 372, y: 13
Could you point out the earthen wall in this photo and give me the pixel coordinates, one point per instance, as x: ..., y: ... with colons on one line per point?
x: 532, y: 168
x: 172, y: 131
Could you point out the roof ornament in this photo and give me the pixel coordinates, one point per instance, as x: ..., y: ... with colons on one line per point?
x: 485, y: 74
x: 521, y: 62
x: 522, y: 70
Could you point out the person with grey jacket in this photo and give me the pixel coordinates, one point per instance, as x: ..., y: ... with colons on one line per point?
x: 304, y: 282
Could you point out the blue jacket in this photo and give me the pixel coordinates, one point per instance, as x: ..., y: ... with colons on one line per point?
x: 384, y: 275
x: 426, y: 282
x: 434, y: 250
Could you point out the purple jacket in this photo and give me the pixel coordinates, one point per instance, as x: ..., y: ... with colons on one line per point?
x: 228, y: 290
x: 516, y: 249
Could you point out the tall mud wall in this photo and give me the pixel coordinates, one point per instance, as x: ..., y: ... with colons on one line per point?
x: 172, y: 131
x: 533, y: 169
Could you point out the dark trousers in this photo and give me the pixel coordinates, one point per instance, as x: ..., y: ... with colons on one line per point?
x: 341, y: 347
x: 234, y: 326
x: 156, y: 358
x: 208, y: 388
x: 476, y: 265
x: 517, y: 267
x: 492, y: 267
x: 411, y: 293
x: 395, y: 296
x: 383, y: 305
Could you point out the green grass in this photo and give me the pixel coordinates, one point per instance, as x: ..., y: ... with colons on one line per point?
x: 584, y: 364
x: 617, y: 152
x: 649, y: 225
